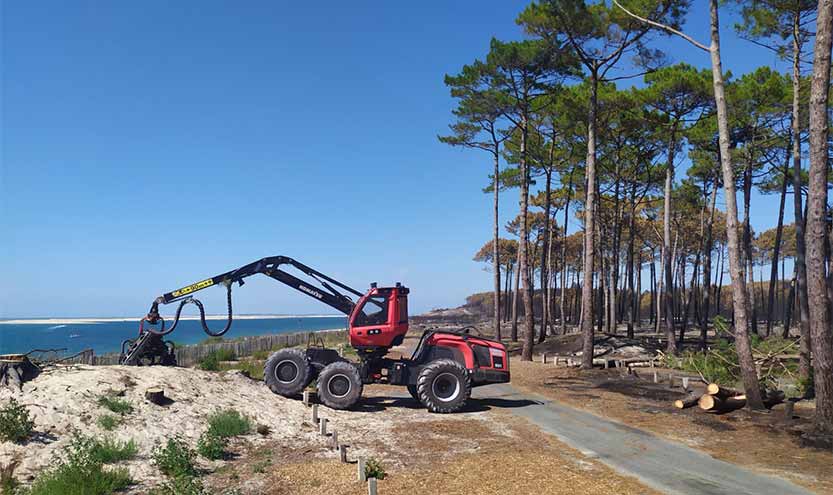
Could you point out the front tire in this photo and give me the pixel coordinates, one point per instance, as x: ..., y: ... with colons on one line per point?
x: 287, y: 372
x: 339, y: 385
x: 444, y: 386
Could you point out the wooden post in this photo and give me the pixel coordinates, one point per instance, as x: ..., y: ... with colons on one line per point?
x: 335, y: 439
x: 315, y: 414
x: 685, y: 383
x: 371, y: 486
x: 306, y: 397
x: 543, y: 358
x: 789, y: 408
x: 361, y: 467
x: 656, y: 377
x: 323, y: 424
x: 342, y: 453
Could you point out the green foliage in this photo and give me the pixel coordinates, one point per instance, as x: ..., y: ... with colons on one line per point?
x: 81, y: 471
x: 104, y: 451
x: 181, y: 485
x: 108, y: 422
x: 252, y: 368
x: 211, y: 446
x: 175, y: 458
x: 211, y: 362
x: 115, y: 404
x: 717, y: 365
x: 260, y: 466
x: 806, y: 386
x: 15, y: 423
x: 374, y: 468
x: 228, y: 423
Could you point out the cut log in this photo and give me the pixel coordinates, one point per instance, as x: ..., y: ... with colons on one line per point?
x: 156, y: 396
x: 721, y: 392
x: 16, y: 369
x: 691, y: 400
x: 717, y: 404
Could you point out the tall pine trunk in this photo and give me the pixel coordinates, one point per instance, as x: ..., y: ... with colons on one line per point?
x: 773, y: 273
x: 803, y: 305
x: 739, y: 293
x: 707, y: 271
x: 529, y: 315
x: 816, y: 243
x: 589, y: 230
x: 496, y: 247
x: 671, y: 346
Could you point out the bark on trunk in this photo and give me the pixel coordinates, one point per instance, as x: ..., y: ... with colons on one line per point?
x: 514, y: 333
x: 741, y: 305
x: 496, y: 247
x: 773, y: 273
x: 707, y: 272
x: 803, y: 305
x: 529, y: 316
x: 820, y: 324
x: 545, y: 253
x: 671, y: 345
x: 589, y: 232
x: 563, y: 299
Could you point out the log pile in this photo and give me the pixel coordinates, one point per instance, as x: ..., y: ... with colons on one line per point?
x: 15, y: 369
x: 717, y: 399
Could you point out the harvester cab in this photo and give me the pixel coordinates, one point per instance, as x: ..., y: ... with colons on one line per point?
x: 440, y: 374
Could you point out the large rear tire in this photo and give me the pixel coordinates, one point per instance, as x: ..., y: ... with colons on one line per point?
x: 339, y: 385
x: 287, y: 372
x: 444, y: 386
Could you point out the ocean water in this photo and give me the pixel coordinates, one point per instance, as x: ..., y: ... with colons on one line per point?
x: 107, y: 336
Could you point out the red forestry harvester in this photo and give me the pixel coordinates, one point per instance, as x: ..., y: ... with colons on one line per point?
x: 444, y: 367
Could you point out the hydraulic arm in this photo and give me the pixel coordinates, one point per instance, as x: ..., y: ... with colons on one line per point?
x: 149, y: 344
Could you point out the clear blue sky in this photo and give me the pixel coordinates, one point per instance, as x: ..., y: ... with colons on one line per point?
x: 146, y: 145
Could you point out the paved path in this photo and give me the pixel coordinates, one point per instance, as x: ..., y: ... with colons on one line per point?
x: 667, y: 466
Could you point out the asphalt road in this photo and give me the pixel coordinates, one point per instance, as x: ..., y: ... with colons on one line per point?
x: 664, y: 465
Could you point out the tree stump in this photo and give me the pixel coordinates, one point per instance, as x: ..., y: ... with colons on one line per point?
x: 156, y: 396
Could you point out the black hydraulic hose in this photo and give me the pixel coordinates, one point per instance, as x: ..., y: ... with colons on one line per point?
x: 202, y: 315
x: 198, y: 304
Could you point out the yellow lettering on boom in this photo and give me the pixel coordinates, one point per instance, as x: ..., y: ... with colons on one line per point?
x: 193, y: 287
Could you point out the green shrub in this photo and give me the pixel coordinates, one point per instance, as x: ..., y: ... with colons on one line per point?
x: 15, y: 423
x: 105, y: 451
x: 211, y: 361
x: 374, y: 468
x: 115, y: 404
x: 254, y: 369
x: 175, y: 459
x: 211, y: 446
x: 81, y: 472
x: 108, y: 422
x: 228, y: 423
x: 181, y: 485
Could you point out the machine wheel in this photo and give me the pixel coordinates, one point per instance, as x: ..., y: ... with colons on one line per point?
x: 339, y: 385
x: 412, y: 389
x: 444, y: 386
x: 287, y: 372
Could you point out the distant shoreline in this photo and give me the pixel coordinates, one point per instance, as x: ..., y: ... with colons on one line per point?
x: 78, y: 321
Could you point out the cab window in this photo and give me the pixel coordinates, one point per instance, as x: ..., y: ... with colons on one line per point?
x: 374, y: 312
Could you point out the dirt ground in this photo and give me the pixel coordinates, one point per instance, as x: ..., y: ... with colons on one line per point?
x: 758, y: 441
x: 483, y: 448
x: 438, y: 455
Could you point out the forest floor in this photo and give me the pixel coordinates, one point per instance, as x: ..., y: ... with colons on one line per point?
x: 759, y: 441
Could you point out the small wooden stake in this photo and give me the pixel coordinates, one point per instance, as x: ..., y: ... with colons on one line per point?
x: 335, y: 439
x: 656, y: 377
x: 544, y: 358
x: 371, y: 486
x: 315, y: 414
x: 342, y: 452
x: 361, y: 467
x: 323, y: 424
x: 306, y: 397
x: 685, y: 383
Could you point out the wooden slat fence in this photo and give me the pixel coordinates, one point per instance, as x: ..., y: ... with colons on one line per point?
x: 190, y: 355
